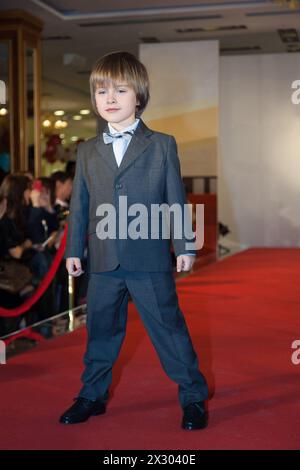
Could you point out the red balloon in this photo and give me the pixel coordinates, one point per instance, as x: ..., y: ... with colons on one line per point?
x: 51, y: 148
x: 54, y: 139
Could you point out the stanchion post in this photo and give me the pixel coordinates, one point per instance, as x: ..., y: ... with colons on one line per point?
x: 71, y: 288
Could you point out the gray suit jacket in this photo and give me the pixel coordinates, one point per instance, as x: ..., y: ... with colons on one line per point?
x: 149, y: 174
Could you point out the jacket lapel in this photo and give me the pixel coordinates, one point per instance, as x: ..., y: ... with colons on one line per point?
x: 106, y: 151
x: 138, y: 144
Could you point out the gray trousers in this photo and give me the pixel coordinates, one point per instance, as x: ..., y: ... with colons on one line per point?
x: 154, y: 295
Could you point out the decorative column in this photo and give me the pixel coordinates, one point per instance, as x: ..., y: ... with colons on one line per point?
x: 20, y: 69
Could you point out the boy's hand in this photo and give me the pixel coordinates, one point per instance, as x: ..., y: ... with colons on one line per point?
x: 73, y: 266
x: 185, y: 262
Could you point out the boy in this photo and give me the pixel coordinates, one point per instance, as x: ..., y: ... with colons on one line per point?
x: 129, y: 161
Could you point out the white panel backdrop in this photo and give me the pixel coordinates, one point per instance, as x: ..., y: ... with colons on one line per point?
x: 259, y: 154
x: 184, y: 101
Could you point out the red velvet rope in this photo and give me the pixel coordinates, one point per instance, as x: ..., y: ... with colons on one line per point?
x: 5, y: 312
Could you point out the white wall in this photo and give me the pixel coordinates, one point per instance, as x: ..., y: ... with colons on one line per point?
x: 259, y: 154
x: 184, y: 99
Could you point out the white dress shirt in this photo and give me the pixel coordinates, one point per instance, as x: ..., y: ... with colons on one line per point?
x: 120, y: 145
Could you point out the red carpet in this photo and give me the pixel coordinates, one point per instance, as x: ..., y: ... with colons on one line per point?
x: 243, y: 314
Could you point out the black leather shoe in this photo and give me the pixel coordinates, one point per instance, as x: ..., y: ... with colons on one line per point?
x: 194, y: 416
x: 81, y: 411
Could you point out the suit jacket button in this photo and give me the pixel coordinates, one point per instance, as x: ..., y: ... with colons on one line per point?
x: 119, y: 186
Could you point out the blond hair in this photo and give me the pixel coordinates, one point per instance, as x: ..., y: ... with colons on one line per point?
x: 121, y: 65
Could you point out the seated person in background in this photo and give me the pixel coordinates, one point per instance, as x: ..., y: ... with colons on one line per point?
x: 14, y: 242
x: 42, y: 222
x: 15, y: 198
x: 7, y: 299
x: 18, y: 217
x: 63, y: 188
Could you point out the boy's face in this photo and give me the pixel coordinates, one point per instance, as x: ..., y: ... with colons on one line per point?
x: 116, y: 103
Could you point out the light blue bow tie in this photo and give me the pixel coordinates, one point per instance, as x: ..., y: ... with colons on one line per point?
x: 108, y: 138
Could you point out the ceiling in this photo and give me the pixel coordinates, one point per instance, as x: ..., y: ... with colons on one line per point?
x: 77, y: 32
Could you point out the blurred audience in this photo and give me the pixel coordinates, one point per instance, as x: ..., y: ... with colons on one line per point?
x: 42, y: 221
x: 63, y: 188
x: 33, y: 214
